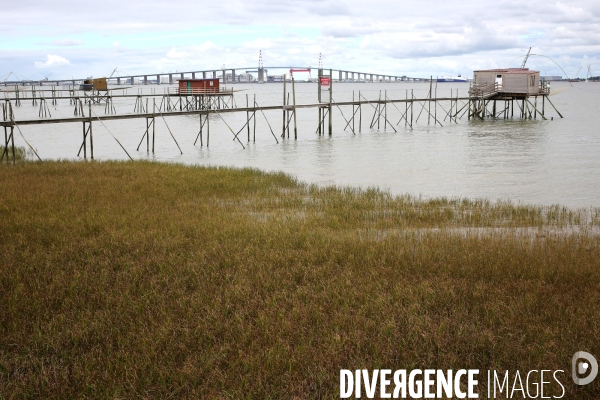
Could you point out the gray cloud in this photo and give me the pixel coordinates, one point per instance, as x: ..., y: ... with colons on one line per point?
x: 396, y: 36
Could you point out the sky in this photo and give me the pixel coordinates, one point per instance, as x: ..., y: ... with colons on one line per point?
x: 63, y: 39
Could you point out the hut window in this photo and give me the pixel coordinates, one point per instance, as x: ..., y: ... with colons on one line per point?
x: 211, y: 83
x: 532, y: 80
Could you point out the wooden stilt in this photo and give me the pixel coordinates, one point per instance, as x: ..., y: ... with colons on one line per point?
x: 283, y: 109
x: 330, y: 111
x: 294, y: 105
x: 248, y: 118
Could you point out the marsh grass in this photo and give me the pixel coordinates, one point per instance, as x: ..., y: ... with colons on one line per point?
x: 148, y: 280
x: 21, y: 154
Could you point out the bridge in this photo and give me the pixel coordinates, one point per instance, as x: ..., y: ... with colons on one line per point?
x: 228, y: 75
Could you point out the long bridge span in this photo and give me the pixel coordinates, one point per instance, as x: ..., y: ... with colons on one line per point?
x: 228, y: 75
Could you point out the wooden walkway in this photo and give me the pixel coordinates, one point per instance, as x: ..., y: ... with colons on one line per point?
x: 410, y: 108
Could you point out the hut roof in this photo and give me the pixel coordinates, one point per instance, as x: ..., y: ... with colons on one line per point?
x: 509, y: 70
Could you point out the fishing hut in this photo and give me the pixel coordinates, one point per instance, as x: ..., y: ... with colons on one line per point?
x: 199, y: 86
x: 199, y: 94
x: 99, y: 89
x: 494, y: 93
x: 99, y: 84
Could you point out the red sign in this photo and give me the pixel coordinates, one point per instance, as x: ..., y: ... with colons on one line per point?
x: 325, y: 81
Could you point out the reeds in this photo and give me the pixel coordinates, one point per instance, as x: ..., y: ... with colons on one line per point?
x: 147, y: 280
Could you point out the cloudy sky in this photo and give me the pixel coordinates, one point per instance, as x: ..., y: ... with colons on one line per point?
x: 66, y: 38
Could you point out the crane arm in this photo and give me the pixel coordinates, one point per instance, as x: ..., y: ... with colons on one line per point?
x: 526, y: 57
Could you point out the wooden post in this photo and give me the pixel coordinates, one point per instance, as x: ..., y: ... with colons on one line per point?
x: 320, y: 73
x: 385, y: 111
x: 294, y: 105
x: 153, y: 122
x: 283, y: 129
x: 406, y: 109
x: 543, y: 104
x: 84, y: 144
x: 247, y: 118
x: 429, y: 102
x: 90, y: 129
x: 359, y: 113
x: 320, y: 121
x: 254, y: 116
x: 412, y: 103
x: 200, y: 133
x: 435, y: 102
x: 287, y: 117
x: 470, y: 104
x: 353, y: 111
x: 12, y: 132
x: 552, y: 104
x: 451, y: 107
x: 330, y: 102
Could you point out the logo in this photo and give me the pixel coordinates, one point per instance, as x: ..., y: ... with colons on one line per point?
x: 581, y: 367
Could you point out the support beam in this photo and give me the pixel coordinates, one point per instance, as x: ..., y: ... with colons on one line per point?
x: 261, y: 75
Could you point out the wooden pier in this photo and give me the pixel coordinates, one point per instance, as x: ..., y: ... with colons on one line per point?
x: 359, y: 112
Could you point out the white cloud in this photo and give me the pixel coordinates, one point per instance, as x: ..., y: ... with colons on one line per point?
x: 174, y: 53
x: 67, y: 42
x: 416, y: 37
x: 52, y: 61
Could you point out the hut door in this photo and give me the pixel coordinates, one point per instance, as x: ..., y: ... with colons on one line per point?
x: 189, y: 87
x: 499, y: 81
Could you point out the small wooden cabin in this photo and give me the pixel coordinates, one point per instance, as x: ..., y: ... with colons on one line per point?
x: 95, y: 84
x: 198, y: 86
x: 510, y: 80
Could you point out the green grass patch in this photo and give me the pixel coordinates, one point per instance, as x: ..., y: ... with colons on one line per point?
x: 148, y: 280
x: 20, y: 154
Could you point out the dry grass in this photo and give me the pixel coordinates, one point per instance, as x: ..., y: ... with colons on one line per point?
x: 146, y: 280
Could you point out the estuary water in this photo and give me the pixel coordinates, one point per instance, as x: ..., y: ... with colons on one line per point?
x: 526, y: 161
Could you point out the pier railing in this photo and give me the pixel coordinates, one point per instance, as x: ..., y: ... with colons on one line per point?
x: 485, y: 90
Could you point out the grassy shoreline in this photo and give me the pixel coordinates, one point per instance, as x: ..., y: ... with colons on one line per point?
x: 138, y: 279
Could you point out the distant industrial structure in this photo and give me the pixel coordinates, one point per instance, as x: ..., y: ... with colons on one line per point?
x: 551, y: 78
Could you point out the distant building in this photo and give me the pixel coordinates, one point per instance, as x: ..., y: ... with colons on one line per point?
x: 553, y: 78
x: 239, y: 78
